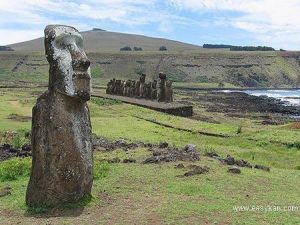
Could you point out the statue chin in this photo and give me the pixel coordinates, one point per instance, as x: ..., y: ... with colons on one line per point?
x: 79, y: 95
x: 83, y: 95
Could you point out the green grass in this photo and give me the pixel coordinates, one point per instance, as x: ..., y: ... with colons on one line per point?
x: 101, y: 170
x: 97, y: 72
x: 14, y: 168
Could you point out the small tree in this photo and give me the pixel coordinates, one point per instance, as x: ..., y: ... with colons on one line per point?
x: 221, y: 85
x: 137, y: 48
x: 162, y: 48
x: 126, y: 48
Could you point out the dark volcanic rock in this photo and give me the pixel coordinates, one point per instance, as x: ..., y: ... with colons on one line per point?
x: 211, y: 154
x: 114, y: 160
x: 260, y: 167
x: 103, y: 144
x: 243, y: 163
x: 179, y: 166
x: 197, y: 170
x: 26, y: 148
x: 238, y: 104
x: 129, y: 160
x: 152, y: 159
x: 5, y: 191
x: 7, y: 152
x: 172, y: 154
x: 229, y: 160
x: 234, y: 169
x: 163, y: 144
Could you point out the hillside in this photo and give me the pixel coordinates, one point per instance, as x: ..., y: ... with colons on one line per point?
x: 198, y: 69
x: 187, y: 65
x: 99, y: 41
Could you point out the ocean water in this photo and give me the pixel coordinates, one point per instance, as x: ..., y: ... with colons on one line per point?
x: 291, y: 97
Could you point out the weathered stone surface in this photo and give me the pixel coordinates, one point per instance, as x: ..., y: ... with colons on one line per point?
x: 61, y: 128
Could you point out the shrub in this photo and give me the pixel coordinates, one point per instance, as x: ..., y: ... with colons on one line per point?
x: 137, y: 48
x: 239, y: 130
x: 126, y: 48
x: 101, y: 170
x: 221, y: 85
x: 14, y: 168
x: 162, y: 48
x: 294, y: 145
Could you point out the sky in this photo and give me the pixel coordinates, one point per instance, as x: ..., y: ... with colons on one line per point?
x: 274, y: 23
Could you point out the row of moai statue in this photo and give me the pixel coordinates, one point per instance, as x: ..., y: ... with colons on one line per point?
x: 141, y: 89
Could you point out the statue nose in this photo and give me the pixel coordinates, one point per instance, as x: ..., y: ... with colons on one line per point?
x: 86, y: 63
x: 81, y: 63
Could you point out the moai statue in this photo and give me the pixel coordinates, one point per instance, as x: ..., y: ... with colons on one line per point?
x: 113, y: 91
x: 122, y: 87
x: 146, y: 90
x: 108, y: 88
x: 118, y: 87
x: 137, y: 88
x: 62, y: 161
x: 162, y: 87
x: 169, y: 91
x: 126, y: 88
x: 132, y: 88
x: 142, y: 85
x: 154, y: 90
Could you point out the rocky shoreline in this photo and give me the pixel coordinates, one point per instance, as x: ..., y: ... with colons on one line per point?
x: 239, y: 104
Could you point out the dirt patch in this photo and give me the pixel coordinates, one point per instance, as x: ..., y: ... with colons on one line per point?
x: 295, y: 125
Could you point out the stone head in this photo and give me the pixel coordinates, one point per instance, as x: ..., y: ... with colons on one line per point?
x: 143, y: 77
x: 69, y: 65
x: 162, y: 76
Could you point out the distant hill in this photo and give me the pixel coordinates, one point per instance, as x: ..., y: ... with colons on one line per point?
x: 98, y: 40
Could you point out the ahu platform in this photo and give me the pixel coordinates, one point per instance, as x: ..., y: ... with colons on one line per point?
x: 170, y: 108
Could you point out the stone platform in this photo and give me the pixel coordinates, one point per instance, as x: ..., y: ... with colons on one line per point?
x: 173, y: 108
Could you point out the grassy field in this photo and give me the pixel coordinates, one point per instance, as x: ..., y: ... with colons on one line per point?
x: 154, y: 194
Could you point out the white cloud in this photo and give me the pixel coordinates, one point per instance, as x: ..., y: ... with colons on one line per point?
x: 9, y: 36
x: 272, y: 22
x: 278, y: 19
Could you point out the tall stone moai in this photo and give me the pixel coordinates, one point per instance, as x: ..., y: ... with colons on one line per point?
x: 169, y: 91
x: 142, y: 85
x: 162, y: 87
x: 62, y: 162
x: 154, y: 90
